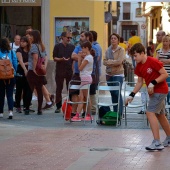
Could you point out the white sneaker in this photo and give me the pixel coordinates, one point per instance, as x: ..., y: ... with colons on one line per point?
x: 166, y: 142
x: 10, y: 115
x: 34, y: 97
x: 1, y: 115
x: 156, y: 145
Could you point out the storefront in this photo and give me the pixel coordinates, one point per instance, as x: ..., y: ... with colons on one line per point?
x: 17, y: 15
x: 52, y: 17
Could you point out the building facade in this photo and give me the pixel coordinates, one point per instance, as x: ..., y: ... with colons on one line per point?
x: 158, y: 18
x: 51, y: 18
x: 131, y: 18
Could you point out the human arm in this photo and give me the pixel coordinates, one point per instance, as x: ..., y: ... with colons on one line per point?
x: 165, y: 61
x: 163, y: 76
x: 135, y: 90
x: 118, y: 58
x: 81, y: 63
x: 20, y: 59
x: 35, y: 60
x: 14, y: 60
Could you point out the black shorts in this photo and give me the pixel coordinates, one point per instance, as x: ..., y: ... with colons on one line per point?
x: 76, y: 77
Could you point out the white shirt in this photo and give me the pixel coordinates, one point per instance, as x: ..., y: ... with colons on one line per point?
x: 87, y: 70
x: 14, y: 47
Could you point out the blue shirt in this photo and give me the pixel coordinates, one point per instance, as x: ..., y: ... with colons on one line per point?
x: 100, y: 55
x: 76, y: 50
x: 12, y: 57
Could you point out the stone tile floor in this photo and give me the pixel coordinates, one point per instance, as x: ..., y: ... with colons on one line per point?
x: 47, y: 143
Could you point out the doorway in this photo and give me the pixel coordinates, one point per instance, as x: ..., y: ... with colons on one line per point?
x: 16, y: 19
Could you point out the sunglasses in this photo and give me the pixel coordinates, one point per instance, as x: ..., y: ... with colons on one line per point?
x: 69, y: 37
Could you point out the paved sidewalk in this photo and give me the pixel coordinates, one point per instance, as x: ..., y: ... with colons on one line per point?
x: 45, y: 142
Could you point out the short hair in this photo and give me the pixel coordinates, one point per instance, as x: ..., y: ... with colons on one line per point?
x: 133, y: 32
x: 117, y: 35
x: 138, y: 48
x: 166, y: 37
x: 90, y: 35
x: 63, y: 34
x: 94, y: 33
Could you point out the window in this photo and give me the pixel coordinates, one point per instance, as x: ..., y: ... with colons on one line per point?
x: 126, y: 11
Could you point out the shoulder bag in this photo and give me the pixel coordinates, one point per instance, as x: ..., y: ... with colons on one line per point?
x: 40, y: 67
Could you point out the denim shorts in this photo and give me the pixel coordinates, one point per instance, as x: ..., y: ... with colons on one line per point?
x: 157, y: 103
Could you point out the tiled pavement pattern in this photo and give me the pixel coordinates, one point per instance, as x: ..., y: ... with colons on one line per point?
x: 80, y: 149
x: 45, y: 142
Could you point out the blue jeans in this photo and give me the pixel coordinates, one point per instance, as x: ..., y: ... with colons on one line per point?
x: 7, y: 87
x: 114, y: 94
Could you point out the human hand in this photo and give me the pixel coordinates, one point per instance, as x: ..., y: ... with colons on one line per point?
x: 128, y: 100
x: 66, y: 59
x: 150, y: 88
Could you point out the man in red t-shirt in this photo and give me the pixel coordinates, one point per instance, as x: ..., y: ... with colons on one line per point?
x: 154, y: 74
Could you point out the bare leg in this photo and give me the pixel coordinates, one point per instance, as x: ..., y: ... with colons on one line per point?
x: 46, y: 94
x: 154, y: 124
x: 81, y: 99
x: 85, y: 93
x: 164, y: 123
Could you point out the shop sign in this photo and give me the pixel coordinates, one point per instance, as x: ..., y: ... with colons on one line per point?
x: 20, y: 2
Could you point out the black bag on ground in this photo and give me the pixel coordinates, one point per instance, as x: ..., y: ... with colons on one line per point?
x: 103, y: 110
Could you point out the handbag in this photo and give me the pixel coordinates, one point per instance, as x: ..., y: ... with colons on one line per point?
x: 6, y: 69
x: 40, y: 67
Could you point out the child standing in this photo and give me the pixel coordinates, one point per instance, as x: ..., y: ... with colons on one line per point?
x: 154, y: 74
x: 85, y: 64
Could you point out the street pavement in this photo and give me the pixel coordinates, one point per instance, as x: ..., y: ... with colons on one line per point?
x: 46, y: 142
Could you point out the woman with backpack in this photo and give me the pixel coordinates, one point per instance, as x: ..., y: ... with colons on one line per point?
x: 7, y: 81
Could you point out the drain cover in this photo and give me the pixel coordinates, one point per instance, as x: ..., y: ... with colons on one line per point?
x: 115, y: 149
x: 101, y: 149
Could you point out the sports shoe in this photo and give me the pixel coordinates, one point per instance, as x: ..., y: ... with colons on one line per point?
x: 39, y: 112
x: 76, y: 118
x: 10, y: 115
x: 1, y: 115
x: 156, y: 145
x: 141, y: 112
x: 27, y: 112
x: 73, y: 114
x: 30, y: 110
x: 18, y: 110
x: 166, y: 142
x: 48, y: 106
x: 34, y: 97
x: 52, y: 98
x: 57, y: 110
x: 88, y: 117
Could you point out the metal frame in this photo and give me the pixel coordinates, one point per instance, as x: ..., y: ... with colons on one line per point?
x: 102, y: 86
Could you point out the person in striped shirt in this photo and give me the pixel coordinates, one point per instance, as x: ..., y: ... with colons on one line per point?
x: 163, y: 55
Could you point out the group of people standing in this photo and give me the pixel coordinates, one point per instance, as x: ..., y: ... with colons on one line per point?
x: 24, y: 57
x: 83, y: 63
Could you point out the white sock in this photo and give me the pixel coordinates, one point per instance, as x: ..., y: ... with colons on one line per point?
x: 49, y: 103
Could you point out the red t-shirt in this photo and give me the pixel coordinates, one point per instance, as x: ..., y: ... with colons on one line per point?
x: 150, y: 71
